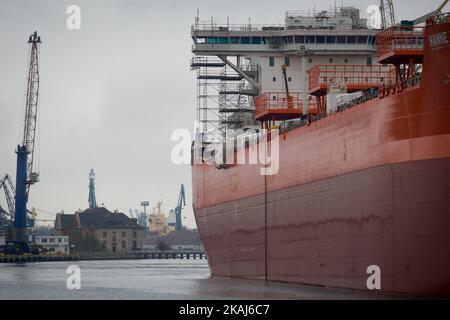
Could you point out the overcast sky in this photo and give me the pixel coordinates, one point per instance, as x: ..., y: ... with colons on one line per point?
x: 112, y: 93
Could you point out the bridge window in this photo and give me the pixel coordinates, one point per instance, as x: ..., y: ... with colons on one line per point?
x: 212, y: 40
x: 256, y: 40
x: 362, y: 39
x: 351, y: 39
x: 320, y: 39
x: 341, y: 39
x: 288, y: 40
x: 299, y: 39
x: 234, y: 40
x: 331, y: 39
x: 271, y: 61
x: 310, y: 39
x: 245, y: 40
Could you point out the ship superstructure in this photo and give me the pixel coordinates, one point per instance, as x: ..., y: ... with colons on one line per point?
x: 239, y: 67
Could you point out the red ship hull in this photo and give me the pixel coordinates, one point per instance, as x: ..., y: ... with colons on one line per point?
x: 367, y: 186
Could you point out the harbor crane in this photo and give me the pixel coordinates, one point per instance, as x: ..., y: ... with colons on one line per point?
x: 387, y: 14
x: 179, y: 208
x: 25, y: 174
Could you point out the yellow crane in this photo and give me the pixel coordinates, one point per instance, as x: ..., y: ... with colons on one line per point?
x: 289, y: 98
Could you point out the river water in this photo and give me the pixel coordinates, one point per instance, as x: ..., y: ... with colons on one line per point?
x: 147, y: 279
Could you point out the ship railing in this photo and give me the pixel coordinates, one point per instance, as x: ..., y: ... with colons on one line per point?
x: 311, y: 13
x: 279, y: 101
x: 355, y: 77
x: 250, y: 67
x: 208, y: 26
x: 397, y: 87
x: 206, y: 62
x: 369, y: 94
x: 400, y: 40
x: 219, y: 74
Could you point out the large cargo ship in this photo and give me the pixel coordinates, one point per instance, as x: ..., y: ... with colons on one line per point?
x: 364, y: 151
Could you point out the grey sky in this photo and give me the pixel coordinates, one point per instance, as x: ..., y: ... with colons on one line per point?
x: 112, y: 92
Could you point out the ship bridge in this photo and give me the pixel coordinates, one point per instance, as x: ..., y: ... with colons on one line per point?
x: 212, y: 39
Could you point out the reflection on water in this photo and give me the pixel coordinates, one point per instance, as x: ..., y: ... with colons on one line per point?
x: 146, y: 279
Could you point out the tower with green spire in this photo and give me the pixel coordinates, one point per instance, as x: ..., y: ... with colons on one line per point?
x: 92, y: 200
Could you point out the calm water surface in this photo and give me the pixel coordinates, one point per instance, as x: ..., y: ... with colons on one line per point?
x: 147, y: 279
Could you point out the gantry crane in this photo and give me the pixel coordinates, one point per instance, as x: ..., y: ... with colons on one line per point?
x: 178, y: 208
x: 25, y: 174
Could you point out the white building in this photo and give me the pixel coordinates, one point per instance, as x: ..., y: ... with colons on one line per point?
x: 54, y: 244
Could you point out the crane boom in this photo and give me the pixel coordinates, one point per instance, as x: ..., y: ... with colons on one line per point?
x: 424, y: 18
x: 387, y: 14
x: 31, y: 109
